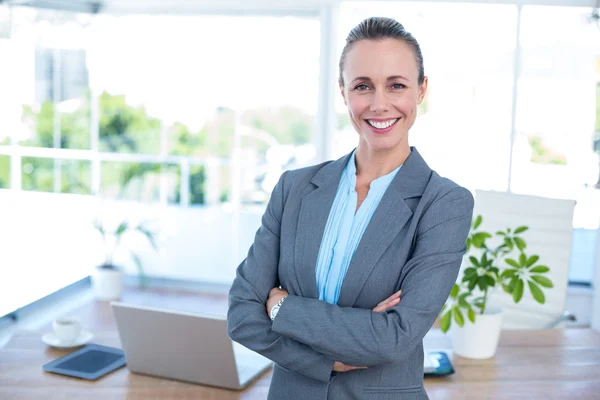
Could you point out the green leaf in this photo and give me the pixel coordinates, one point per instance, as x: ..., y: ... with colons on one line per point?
x: 522, y: 260
x: 500, y: 233
x: 520, y: 243
x: 462, y: 300
x: 537, y: 293
x: 468, y: 243
x: 479, y: 239
x: 484, y: 260
x: 138, y: 264
x: 458, y: 317
x: 539, y: 269
x: 470, y: 271
x: 98, y: 226
x: 474, y: 261
x: 482, y: 283
x: 122, y: 228
x: 512, y: 262
x: 454, y: 291
x: 443, y: 308
x: 477, y: 222
x: 472, y: 284
x: 471, y: 315
x: 507, y: 273
x: 542, y: 281
x: 149, y: 235
x: 445, y: 321
x: 532, y: 260
x: 521, y: 229
x: 490, y: 281
x: 518, y: 291
x: 509, y: 243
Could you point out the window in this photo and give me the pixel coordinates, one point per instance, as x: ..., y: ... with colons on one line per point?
x: 189, y: 126
x: 55, y: 175
x: 553, y: 153
x: 256, y: 105
x: 4, y: 172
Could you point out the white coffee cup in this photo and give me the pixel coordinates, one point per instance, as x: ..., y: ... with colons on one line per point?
x: 66, y: 329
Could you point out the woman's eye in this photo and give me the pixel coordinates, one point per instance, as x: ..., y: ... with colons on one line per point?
x: 398, y: 86
x: 361, y: 87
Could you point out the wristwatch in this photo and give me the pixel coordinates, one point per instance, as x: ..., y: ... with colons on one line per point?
x: 276, y: 307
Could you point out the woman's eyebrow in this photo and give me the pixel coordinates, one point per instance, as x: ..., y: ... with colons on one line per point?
x: 389, y: 78
x: 361, y: 78
x: 394, y: 77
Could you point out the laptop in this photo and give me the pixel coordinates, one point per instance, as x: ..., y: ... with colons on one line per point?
x: 185, y: 346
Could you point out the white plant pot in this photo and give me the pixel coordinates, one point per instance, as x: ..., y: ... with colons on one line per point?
x: 107, y: 283
x: 478, y: 340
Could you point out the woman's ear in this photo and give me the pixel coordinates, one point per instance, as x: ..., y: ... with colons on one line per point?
x: 343, y: 94
x: 422, y: 90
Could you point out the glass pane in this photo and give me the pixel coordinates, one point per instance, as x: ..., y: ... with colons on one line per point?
x: 131, y: 181
x: 5, y: 17
x: 197, y: 184
x: 38, y: 174
x: 46, y: 91
x: 554, y: 154
x: 171, y: 179
x: 126, y: 127
x: 463, y: 128
x: 205, y: 107
x: 75, y: 176
x: 4, y: 172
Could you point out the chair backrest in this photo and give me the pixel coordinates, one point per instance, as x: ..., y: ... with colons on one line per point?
x: 550, y: 223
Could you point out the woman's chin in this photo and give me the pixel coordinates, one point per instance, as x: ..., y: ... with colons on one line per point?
x: 381, y: 143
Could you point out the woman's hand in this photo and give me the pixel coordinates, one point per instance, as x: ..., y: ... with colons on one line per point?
x: 275, y: 295
x: 390, y: 302
x: 339, y: 367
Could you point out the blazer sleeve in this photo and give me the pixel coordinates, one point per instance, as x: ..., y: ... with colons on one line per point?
x: 357, y: 336
x: 247, y: 319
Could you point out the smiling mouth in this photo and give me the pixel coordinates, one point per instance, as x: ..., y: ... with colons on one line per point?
x: 382, y: 124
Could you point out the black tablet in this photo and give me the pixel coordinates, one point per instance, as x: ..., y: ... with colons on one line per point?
x: 90, y: 362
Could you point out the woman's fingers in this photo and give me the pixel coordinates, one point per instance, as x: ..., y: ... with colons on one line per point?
x: 383, y: 307
x: 340, y: 367
x: 389, y: 302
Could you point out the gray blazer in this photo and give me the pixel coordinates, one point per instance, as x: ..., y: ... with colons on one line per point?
x: 415, y: 242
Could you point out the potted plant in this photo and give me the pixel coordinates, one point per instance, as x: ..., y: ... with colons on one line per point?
x: 506, y: 265
x: 107, y: 280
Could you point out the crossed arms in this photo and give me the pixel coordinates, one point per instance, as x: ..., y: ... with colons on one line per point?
x: 308, y: 334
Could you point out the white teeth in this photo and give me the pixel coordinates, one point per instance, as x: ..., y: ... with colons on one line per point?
x: 382, y: 125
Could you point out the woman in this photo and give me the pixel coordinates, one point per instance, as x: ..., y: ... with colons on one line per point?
x: 340, y: 242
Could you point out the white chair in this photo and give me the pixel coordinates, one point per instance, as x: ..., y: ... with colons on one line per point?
x: 550, y: 223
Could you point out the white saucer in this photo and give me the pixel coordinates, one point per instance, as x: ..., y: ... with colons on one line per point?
x: 51, y: 340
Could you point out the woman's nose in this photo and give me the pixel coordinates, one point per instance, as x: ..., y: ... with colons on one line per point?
x: 380, y: 102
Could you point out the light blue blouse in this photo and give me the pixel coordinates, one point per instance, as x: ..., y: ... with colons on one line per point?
x: 345, y: 228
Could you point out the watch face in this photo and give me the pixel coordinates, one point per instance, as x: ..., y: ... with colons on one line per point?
x: 274, y: 311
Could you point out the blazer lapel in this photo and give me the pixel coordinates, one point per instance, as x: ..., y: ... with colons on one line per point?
x: 389, y: 218
x: 314, y: 212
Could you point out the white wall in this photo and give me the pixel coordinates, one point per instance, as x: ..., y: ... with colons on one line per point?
x: 47, y: 241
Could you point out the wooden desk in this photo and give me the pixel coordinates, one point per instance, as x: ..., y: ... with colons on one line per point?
x: 529, y: 364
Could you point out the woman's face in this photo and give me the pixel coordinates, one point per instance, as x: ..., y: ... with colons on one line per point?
x: 382, y: 91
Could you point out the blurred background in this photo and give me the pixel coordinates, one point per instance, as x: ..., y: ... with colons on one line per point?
x: 183, y: 115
